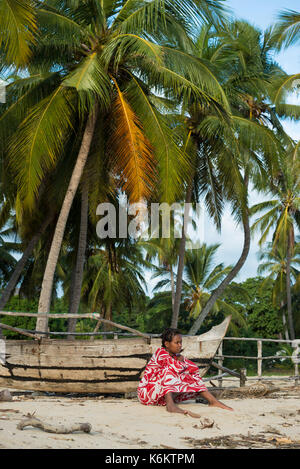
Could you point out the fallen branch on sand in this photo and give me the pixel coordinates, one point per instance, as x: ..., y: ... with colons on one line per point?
x: 32, y: 421
x: 255, y: 390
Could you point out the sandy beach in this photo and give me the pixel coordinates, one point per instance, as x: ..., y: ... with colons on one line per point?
x: 267, y: 422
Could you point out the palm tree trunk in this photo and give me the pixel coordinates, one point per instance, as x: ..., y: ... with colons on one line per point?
x: 76, y: 288
x: 22, y: 262
x: 288, y: 285
x: 47, y: 285
x: 219, y: 290
x: 286, y: 330
x: 172, y: 287
x: 180, y: 268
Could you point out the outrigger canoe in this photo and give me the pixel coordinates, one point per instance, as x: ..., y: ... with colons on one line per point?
x: 98, y: 366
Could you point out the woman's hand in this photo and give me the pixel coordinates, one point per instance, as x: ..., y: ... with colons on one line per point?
x: 180, y: 358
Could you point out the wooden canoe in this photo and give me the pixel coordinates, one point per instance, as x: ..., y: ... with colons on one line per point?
x: 99, y: 366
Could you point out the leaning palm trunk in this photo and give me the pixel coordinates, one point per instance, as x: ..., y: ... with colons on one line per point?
x: 288, y: 286
x: 22, y: 262
x: 172, y: 287
x: 285, y: 328
x: 218, y: 291
x: 77, y: 284
x: 47, y: 285
x: 181, y: 257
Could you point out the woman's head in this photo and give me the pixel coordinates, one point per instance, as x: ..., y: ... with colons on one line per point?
x: 172, y: 340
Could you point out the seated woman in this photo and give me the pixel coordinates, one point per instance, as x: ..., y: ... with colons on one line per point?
x: 170, y: 378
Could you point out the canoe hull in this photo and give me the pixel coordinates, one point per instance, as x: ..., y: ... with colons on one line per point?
x: 99, y: 366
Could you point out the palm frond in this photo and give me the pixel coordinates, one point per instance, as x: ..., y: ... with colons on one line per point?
x: 131, y: 153
x: 38, y: 142
x: 287, y: 30
x: 174, y: 163
x: 130, y: 45
x: 18, y: 29
x: 291, y: 111
x: 90, y: 80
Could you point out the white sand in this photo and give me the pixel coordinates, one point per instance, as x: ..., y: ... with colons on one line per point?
x: 125, y: 423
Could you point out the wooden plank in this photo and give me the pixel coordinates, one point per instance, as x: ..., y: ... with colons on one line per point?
x: 259, y: 360
x: 60, y: 374
x: 86, y: 349
x: 86, y: 352
x: 227, y: 370
x: 78, y: 387
x: 4, y: 371
x: 220, y: 362
x: 76, y: 361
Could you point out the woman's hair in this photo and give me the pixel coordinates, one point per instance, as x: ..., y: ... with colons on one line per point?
x: 168, y: 335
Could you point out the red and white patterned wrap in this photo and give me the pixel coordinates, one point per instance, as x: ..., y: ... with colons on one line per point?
x: 165, y: 374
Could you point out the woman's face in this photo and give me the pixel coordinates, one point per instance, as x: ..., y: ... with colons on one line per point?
x: 175, y: 345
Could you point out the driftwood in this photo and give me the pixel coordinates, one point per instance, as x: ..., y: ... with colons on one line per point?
x: 32, y: 421
x: 255, y: 390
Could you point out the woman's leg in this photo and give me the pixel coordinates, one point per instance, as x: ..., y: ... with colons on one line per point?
x: 213, y: 401
x: 172, y: 407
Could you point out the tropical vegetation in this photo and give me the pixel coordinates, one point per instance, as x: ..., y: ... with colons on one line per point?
x: 159, y: 102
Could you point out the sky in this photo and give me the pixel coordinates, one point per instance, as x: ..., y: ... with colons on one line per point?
x: 260, y: 13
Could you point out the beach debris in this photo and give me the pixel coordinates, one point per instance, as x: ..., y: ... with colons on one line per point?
x: 254, y: 390
x: 207, y: 423
x: 282, y: 441
x: 269, y: 429
x: 5, y: 396
x: 32, y: 421
x: 9, y: 410
x: 243, y: 441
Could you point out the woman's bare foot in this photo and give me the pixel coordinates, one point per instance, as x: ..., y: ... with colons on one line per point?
x: 213, y: 401
x: 172, y: 407
x: 176, y: 409
x: 220, y: 404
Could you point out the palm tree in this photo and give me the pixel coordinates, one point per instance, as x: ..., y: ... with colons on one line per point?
x: 275, y: 265
x: 114, y: 279
x: 222, y: 161
x: 201, y: 277
x: 165, y: 252
x: 91, y: 57
x: 286, y: 32
x: 283, y: 214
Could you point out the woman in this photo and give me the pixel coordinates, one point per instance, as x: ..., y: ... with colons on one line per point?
x: 170, y: 378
